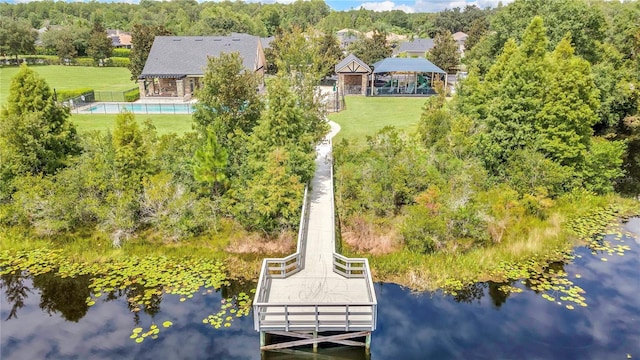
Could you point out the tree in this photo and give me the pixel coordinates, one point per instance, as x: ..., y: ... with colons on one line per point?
x: 329, y: 52
x: 100, y: 46
x: 585, y: 23
x: 445, y: 53
x: 228, y: 107
x: 570, y: 107
x: 35, y: 134
x: 517, y: 83
x: 371, y: 50
x: 16, y: 37
x: 209, y: 165
x: 478, y: 29
x: 228, y: 100
x: 270, y: 200
x: 284, y: 125
x: 142, y: 37
x: 130, y: 166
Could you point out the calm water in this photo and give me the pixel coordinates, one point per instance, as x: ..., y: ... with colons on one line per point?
x: 480, y: 323
x: 110, y: 108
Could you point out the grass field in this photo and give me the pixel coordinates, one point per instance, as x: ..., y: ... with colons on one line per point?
x: 73, y: 77
x: 366, y: 115
x: 164, y: 123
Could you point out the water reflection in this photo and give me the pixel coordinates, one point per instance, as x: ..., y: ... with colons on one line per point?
x: 47, y: 318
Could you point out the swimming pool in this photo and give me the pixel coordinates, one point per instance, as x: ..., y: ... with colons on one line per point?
x: 140, y: 108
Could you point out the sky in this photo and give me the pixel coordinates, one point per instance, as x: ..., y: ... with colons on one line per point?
x: 409, y: 6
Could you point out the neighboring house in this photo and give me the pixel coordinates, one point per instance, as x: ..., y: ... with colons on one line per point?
x: 347, y: 37
x: 460, y: 38
x: 414, y: 48
x: 176, y: 64
x: 119, y: 39
x: 392, y: 38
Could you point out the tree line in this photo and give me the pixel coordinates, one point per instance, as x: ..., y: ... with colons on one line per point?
x: 189, y: 17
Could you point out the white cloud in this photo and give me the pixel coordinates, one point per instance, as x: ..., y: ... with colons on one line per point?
x: 439, y: 5
x: 386, y: 6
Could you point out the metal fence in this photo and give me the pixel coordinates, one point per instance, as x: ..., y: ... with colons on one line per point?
x: 136, y: 108
x: 112, y: 96
x: 335, y: 102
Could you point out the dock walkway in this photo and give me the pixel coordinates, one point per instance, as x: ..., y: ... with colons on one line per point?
x: 316, y: 289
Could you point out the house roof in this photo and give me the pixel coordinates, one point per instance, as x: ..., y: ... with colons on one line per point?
x: 266, y: 42
x: 410, y: 65
x: 353, y: 65
x: 416, y: 45
x: 460, y: 36
x: 178, y: 56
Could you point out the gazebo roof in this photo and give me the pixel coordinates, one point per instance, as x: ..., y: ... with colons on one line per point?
x: 352, y: 64
x: 407, y: 65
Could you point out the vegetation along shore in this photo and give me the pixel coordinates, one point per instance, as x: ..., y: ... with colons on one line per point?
x: 531, y: 153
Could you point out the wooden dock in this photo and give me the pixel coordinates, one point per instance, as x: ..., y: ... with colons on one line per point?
x: 316, y: 290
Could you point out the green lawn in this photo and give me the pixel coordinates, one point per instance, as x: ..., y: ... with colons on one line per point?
x: 366, y: 115
x: 164, y: 123
x: 73, y: 77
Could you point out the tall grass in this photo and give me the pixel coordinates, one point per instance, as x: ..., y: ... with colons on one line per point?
x: 542, y: 241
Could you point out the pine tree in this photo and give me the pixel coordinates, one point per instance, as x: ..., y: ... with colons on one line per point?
x: 570, y: 107
x: 35, y: 134
x: 445, y: 52
x: 99, y: 47
x: 209, y: 165
x: 517, y: 84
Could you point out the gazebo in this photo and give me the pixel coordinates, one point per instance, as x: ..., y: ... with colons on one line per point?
x: 405, y: 77
x: 353, y: 74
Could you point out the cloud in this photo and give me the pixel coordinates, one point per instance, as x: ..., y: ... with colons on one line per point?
x: 386, y: 6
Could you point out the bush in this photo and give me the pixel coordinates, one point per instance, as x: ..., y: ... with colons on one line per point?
x: 132, y: 95
x: 70, y: 94
x: 84, y: 62
x: 118, y: 62
x: 121, y: 53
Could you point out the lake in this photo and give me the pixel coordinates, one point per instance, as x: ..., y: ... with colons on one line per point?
x: 46, y: 317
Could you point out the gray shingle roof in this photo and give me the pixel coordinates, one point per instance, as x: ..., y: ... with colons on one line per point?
x: 177, y: 56
x: 266, y: 42
x: 416, y: 45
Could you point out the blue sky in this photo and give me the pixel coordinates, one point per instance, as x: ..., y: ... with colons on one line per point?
x: 377, y: 5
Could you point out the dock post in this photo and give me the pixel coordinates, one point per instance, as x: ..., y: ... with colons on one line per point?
x: 367, y: 344
x: 263, y: 338
x: 315, y: 344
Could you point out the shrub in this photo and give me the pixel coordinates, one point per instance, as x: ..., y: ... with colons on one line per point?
x: 70, y: 94
x: 121, y: 53
x: 118, y: 62
x: 132, y: 95
x: 84, y: 61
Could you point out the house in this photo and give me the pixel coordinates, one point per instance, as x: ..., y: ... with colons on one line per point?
x: 460, y: 38
x: 119, y: 38
x: 347, y: 37
x: 176, y: 64
x: 414, y: 48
